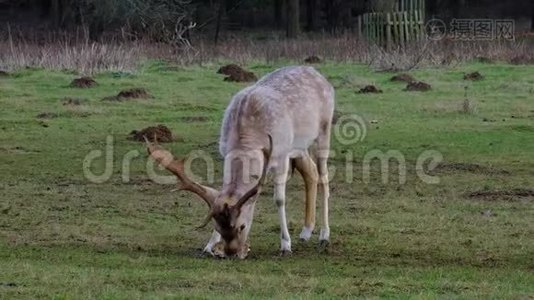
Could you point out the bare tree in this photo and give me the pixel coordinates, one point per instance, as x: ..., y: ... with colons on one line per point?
x: 278, y: 4
x: 220, y: 11
x: 311, y: 14
x: 292, y: 18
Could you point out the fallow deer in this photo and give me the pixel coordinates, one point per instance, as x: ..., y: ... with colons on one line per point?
x: 267, y: 128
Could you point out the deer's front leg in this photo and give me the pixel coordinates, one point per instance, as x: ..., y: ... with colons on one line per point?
x: 210, y: 247
x: 280, y: 200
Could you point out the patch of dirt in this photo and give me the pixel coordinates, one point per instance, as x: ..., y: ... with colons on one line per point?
x: 159, y: 133
x: 313, y: 59
x: 522, y: 60
x: 73, y: 101
x: 369, y: 89
x: 134, y: 93
x: 506, y: 195
x: 236, y: 73
x: 469, y: 167
x: 47, y: 115
x: 473, y: 76
x: 403, y: 77
x: 418, y: 86
x: 195, y: 119
x: 229, y: 69
x: 241, y: 77
x: 83, y: 83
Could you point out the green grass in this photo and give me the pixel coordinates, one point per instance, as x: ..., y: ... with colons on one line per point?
x: 64, y: 237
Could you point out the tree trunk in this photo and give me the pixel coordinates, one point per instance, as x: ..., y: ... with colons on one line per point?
x: 277, y: 13
x: 45, y: 8
x: 55, y: 12
x: 331, y: 16
x: 311, y: 14
x: 219, y: 19
x: 459, y: 5
x: 292, y: 18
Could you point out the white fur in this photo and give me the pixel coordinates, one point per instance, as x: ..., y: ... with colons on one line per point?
x: 215, y: 238
x: 325, y: 234
x: 294, y: 106
x: 306, y: 233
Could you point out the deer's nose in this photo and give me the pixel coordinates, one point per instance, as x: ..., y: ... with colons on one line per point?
x: 230, y: 252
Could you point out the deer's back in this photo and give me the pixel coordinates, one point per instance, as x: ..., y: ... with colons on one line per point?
x: 292, y: 104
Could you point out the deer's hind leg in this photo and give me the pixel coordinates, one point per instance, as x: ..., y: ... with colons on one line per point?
x: 323, y: 151
x: 307, y: 168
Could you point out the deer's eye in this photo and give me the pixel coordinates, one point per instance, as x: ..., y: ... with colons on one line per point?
x: 242, y: 227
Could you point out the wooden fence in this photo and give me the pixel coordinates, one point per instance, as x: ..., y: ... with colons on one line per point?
x: 405, y: 24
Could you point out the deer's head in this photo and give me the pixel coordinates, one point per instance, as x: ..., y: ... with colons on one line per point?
x: 229, y: 208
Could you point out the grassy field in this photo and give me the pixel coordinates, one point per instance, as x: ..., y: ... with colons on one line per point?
x: 470, y: 235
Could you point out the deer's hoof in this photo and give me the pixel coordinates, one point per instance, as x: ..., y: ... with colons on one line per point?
x: 305, y: 234
x: 323, y: 245
x: 285, y: 253
x: 204, y: 253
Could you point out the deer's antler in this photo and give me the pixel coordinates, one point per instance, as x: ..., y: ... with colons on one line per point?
x: 167, y: 160
x: 255, y: 190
